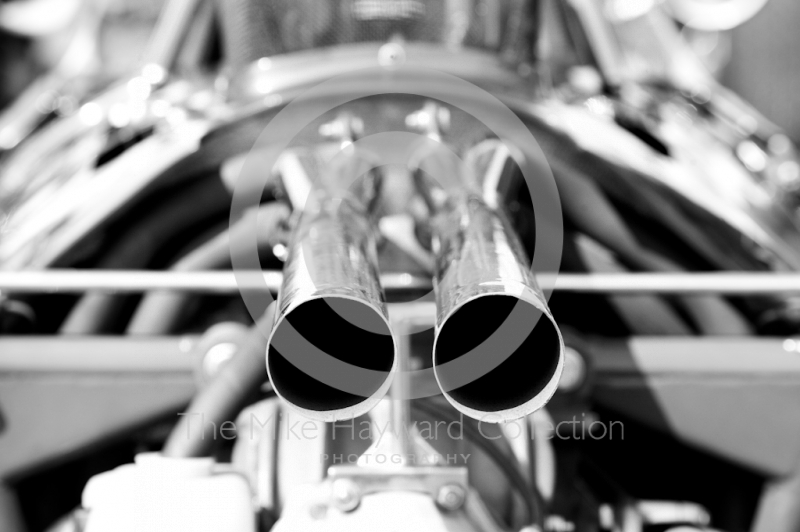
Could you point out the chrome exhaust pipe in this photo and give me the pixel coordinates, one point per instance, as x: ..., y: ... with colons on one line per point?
x: 498, y: 352
x: 331, y: 355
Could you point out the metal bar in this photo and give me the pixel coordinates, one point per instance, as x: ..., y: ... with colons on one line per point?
x: 170, y: 30
x: 224, y: 282
x: 748, y: 358
x: 722, y: 283
x: 97, y: 354
x: 135, y: 281
x: 124, y: 281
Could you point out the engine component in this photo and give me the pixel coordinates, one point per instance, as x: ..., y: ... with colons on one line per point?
x: 714, y: 16
x: 165, y: 494
x: 490, y: 307
x: 331, y: 294
x: 224, y: 394
x: 498, y: 353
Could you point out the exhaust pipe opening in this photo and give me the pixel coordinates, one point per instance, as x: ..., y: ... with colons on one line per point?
x: 524, y: 381
x: 349, y: 330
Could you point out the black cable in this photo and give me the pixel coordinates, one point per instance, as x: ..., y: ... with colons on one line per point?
x: 534, y: 504
x: 139, y: 242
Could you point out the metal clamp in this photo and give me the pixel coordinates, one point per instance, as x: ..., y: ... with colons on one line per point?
x: 445, y: 485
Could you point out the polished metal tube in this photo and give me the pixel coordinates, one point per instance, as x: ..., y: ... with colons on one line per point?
x: 222, y: 282
x: 331, y: 309
x: 498, y: 353
x: 137, y: 281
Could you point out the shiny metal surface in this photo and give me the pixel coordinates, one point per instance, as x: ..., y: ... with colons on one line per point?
x: 720, y: 15
x: 331, y: 293
x: 332, y: 253
x: 655, y: 154
x: 170, y: 31
x: 746, y: 210
x: 67, y: 201
x: 135, y: 281
x: 221, y: 282
x: 97, y: 354
x: 722, y: 283
x: 498, y: 353
x: 481, y: 271
x: 736, y: 221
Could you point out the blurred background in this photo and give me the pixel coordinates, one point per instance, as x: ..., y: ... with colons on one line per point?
x: 55, y: 52
x: 38, y: 35
x: 764, y: 65
x: 759, y: 59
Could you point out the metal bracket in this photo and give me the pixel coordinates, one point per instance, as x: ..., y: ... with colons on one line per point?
x: 446, y: 485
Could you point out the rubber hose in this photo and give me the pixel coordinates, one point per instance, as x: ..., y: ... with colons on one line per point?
x: 224, y: 397
x: 96, y: 313
x: 586, y: 205
x: 532, y: 499
x: 160, y: 312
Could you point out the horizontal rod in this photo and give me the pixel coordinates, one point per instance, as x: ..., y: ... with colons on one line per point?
x: 650, y: 355
x: 135, y: 281
x: 98, y: 354
x: 225, y: 282
x: 721, y: 283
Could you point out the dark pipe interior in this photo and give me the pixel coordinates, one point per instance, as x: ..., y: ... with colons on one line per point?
x: 348, y: 330
x: 521, y: 376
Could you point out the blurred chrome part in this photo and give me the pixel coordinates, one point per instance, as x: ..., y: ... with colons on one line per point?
x: 715, y: 15
x: 451, y: 497
x: 256, y: 455
x: 544, y: 455
x: 170, y: 32
x: 405, y: 497
x: 399, y: 230
x: 672, y: 512
x: 603, y: 43
x: 401, y: 444
x: 587, y: 282
x: 59, y: 89
x: 37, y: 231
x: 432, y: 119
x: 216, y: 347
x: 715, y: 185
x: 82, y: 64
x: 425, y: 479
x: 724, y: 283
x: 281, y: 77
x: 575, y: 371
x: 135, y: 281
x: 289, y: 74
x: 352, y: 169
x: 493, y: 164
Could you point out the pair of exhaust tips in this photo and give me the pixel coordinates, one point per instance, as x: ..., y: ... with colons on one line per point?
x: 498, y: 353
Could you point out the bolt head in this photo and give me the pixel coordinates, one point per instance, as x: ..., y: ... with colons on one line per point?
x: 217, y: 356
x: 346, y: 495
x: 575, y: 371
x: 451, y: 497
x: 391, y: 55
